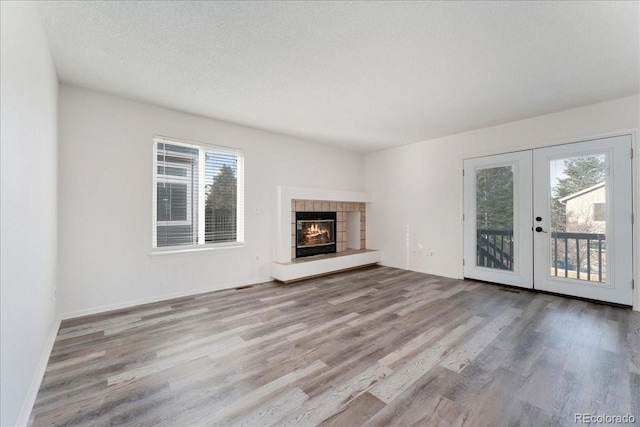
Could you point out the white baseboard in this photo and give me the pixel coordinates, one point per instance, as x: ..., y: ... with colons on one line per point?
x: 439, y: 273
x: 129, y: 304
x: 431, y: 272
x: 30, y: 399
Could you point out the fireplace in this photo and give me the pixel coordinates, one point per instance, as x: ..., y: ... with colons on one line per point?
x: 315, y: 233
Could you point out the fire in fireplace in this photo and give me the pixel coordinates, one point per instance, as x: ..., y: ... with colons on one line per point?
x: 315, y: 233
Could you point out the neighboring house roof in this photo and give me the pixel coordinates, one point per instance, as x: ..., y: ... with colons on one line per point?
x: 581, y: 192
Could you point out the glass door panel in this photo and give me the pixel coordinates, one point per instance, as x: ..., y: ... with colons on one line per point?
x: 494, y: 217
x: 497, y: 240
x: 578, y: 200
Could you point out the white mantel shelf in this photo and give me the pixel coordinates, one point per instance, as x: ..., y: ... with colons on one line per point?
x: 323, y: 264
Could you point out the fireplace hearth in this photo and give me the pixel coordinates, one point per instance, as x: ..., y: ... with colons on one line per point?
x: 315, y: 233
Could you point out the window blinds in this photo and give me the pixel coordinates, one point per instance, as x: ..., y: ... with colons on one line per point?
x: 198, y: 195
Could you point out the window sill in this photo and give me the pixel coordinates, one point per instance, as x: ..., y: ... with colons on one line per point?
x: 191, y: 249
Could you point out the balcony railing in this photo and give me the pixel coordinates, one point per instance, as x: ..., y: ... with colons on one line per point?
x: 220, y: 226
x: 495, y: 249
x: 580, y: 256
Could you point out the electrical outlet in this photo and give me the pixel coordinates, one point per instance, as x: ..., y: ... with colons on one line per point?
x: 431, y: 253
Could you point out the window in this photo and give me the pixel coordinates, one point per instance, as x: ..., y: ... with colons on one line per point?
x: 599, y: 211
x: 198, y: 195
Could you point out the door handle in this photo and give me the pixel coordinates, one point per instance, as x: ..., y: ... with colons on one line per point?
x: 540, y: 230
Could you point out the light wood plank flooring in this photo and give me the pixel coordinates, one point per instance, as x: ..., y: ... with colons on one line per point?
x: 379, y: 346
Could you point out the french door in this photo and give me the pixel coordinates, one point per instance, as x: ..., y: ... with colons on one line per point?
x: 557, y: 219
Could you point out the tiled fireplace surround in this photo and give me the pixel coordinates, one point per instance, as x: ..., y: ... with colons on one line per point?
x: 341, y: 209
x: 350, y: 208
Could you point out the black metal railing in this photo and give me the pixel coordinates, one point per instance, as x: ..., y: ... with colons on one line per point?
x: 581, y: 256
x: 495, y: 249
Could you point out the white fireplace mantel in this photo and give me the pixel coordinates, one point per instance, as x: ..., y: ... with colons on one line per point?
x: 282, y: 267
x: 283, y: 212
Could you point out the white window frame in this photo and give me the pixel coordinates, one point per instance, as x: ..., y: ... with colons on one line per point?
x: 202, y: 147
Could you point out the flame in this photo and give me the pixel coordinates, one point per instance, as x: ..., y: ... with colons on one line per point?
x: 314, y: 230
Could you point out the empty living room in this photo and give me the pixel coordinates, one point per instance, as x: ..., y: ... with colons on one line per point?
x: 275, y: 213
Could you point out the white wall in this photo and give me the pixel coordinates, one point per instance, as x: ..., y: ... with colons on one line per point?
x: 417, y: 189
x: 28, y: 207
x: 105, y: 200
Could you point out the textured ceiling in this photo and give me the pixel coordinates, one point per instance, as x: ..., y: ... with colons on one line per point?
x: 361, y: 75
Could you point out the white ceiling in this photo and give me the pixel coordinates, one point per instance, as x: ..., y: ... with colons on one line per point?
x: 361, y: 75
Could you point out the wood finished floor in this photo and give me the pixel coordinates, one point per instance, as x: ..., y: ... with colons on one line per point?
x: 377, y: 346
